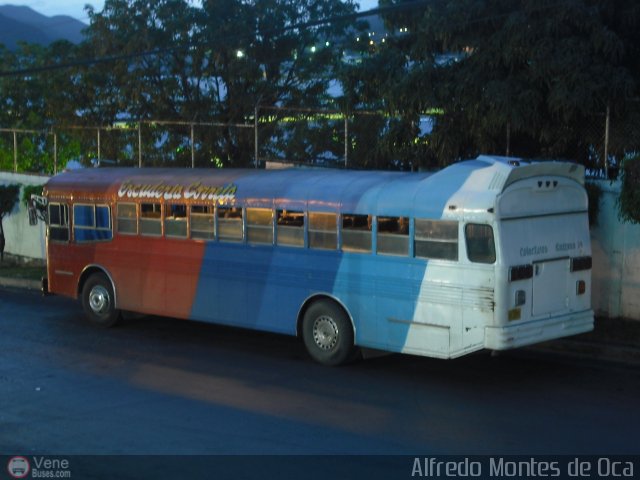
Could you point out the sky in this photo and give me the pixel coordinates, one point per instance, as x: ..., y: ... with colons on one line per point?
x: 75, y: 8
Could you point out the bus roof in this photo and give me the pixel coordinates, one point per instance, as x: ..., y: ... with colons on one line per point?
x: 467, y: 185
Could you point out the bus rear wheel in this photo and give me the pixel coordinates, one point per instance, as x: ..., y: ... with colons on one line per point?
x: 98, y: 301
x: 327, y: 333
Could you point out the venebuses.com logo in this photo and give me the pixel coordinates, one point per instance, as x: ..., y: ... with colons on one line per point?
x: 18, y: 467
x: 38, y: 467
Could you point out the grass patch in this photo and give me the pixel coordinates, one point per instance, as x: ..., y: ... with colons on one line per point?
x: 26, y: 272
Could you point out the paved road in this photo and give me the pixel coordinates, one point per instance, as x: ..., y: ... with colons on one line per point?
x: 160, y: 386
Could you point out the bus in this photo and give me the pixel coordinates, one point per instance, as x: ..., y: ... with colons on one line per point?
x: 491, y: 253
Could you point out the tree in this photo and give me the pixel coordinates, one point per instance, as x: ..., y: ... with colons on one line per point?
x: 8, y: 199
x: 218, y: 62
x: 533, y: 71
x: 629, y: 200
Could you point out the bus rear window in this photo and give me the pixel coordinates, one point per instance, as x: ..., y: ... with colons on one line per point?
x: 290, y: 228
x: 126, y: 218
x: 480, y: 245
x: 356, y: 233
x: 150, y: 219
x: 323, y: 230
x: 437, y: 239
x: 230, y: 224
x: 393, y: 235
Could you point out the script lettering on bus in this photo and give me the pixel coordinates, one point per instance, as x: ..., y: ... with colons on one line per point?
x: 194, y: 191
x: 533, y: 250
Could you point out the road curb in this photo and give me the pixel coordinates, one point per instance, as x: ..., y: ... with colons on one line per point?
x: 20, y: 283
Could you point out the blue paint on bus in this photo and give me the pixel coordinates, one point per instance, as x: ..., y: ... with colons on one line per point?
x: 263, y: 286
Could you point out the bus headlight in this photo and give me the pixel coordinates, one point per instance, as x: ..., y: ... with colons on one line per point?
x: 581, y: 287
x: 521, y: 297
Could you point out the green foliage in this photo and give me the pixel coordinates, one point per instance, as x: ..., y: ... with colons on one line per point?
x: 629, y: 200
x: 535, y: 71
x: 28, y: 190
x: 539, y: 70
x: 8, y: 199
x: 594, y: 193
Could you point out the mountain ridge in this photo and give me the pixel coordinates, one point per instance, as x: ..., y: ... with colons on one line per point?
x: 23, y: 24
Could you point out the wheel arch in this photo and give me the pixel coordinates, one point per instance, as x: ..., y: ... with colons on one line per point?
x: 317, y: 297
x: 90, y: 270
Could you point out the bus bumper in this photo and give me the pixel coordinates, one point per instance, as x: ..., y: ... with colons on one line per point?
x: 535, y: 331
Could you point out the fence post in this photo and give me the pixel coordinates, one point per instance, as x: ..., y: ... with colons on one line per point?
x: 346, y: 140
x: 255, y: 135
x: 15, y: 151
x: 139, y: 144
x: 55, y: 153
x: 606, y: 144
x: 193, y: 153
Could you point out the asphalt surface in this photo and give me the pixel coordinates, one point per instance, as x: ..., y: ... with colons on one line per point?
x: 160, y: 386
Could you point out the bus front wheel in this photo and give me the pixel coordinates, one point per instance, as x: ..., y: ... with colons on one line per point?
x: 98, y: 301
x: 327, y: 333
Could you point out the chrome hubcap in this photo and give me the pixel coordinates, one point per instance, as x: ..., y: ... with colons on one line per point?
x: 99, y: 300
x: 325, y: 332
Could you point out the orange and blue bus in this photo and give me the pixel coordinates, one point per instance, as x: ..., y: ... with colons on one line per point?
x: 491, y: 253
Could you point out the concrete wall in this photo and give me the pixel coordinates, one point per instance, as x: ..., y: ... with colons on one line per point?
x: 21, y: 238
x: 616, y: 259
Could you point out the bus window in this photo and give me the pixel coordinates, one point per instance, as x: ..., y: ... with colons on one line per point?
x: 91, y: 223
x: 393, y: 235
x: 480, y: 245
x: 356, y: 233
x: 323, y: 230
x: 58, y: 222
x: 437, y: 239
x: 202, y: 222
x: 260, y: 225
x: 175, y: 221
x: 290, y: 228
x: 126, y: 218
x: 150, y: 219
x: 230, y: 224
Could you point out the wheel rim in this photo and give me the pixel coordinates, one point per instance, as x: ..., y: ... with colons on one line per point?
x: 325, y: 332
x: 99, y: 300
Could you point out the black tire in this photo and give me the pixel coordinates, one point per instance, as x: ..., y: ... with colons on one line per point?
x: 98, y: 301
x: 327, y: 333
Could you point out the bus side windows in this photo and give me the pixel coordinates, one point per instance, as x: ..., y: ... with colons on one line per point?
x: 356, y: 233
x: 393, y: 235
x: 480, y: 245
x: 260, y: 225
x: 175, y: 221
x: 323, y: 230
x: 58, y: 222
x: 436, y: 239
x: 150, y: 219
x: 290, y: 228
x: 230, y: 224
x: 91, y: 223
x: 126, y: 219
x: 202, y: 222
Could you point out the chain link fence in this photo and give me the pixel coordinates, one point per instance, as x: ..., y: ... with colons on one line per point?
x: 362, y: 139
